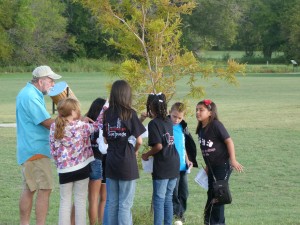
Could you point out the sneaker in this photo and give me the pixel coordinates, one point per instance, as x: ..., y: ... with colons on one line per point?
x: 178, y: 222
x: 180, y: 218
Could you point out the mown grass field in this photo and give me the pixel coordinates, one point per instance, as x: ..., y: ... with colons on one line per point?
x: 262, y: 115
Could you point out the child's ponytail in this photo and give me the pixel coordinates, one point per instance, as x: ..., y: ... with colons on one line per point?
x: 157, y: 103
x: 60, y: 124
x: 64, y: 109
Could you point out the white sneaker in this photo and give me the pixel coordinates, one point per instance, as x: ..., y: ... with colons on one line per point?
x: 178, y: 222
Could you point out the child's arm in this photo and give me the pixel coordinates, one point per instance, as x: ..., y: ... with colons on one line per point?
x: 143, y: 116
x: 155, y: 149
x: 205, y: 168
x: 52, y: 144
x: 231, y: 151
x: 139, y: 142
x: 100, y: 116
x: 187, y: 161
x: 98, y: 124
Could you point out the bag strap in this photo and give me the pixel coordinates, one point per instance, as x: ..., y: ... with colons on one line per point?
x: 208, y: 161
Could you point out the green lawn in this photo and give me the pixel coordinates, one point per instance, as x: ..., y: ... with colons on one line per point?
x: 262, y: 115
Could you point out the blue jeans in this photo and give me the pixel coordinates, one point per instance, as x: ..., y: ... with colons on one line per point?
x: 106, y: 213
x: 214, y: 213
x: 120, y: 195
x: 180, y: 195
x: 162, y: 201
x: 96, y: 172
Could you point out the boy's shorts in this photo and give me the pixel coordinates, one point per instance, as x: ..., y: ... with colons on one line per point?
x: 37, y: 174
x: 96, y: 170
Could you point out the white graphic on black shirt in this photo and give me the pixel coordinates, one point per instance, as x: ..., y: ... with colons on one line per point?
x: 209, y: 144
x: 117, y: 131
x: 169, y: 139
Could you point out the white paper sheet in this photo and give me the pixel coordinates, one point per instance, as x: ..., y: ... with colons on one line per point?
x: 202, y: 179
x: 148, y: 165
x: 145, y: 134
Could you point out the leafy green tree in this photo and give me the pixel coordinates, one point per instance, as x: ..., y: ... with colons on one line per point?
x: 291, y: 30
x: 147, y: 33
x: 7, y: 15
x: 87, y: 38
x: 214, y: 23
x: 261, y: 27
x: 270, y: 26
x: 37, y: 33
x: 249, y: 38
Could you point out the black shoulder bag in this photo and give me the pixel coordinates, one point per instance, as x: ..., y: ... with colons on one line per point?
x: 220, y: 187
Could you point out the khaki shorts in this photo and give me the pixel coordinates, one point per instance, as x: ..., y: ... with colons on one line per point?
x: 37, y: 174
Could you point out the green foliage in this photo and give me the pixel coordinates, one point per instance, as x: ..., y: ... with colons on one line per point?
x: 103, y: 65
x: 5, y: 47
x: 148, y: 33
x: 86, y: 37
x: 213, y: 23
x: 291, y: 30
x: 35, y: 30
x: 7, y: 15
x: 262, y: 27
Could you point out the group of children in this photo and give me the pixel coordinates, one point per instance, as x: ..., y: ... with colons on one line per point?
x: 82, y: 168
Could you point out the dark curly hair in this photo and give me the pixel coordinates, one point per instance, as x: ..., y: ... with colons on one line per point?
x: 157, y: 106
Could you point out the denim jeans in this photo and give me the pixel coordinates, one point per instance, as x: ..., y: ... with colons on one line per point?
x: 214, y: 213
x: 180, y: 195
x: 162, y: 201
x: 106, y: 213
x: 120, y: 195
x: 96, y: 172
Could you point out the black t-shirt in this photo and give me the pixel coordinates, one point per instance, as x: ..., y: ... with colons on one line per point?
x: 166, y: 161
x: 94, y: 136
x: 211, y: 139
x: 121, y: 161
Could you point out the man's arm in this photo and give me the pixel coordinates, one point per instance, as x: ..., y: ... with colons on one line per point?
x: 47, y: 123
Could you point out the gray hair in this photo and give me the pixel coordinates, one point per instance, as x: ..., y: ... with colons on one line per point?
x: 34, y: 80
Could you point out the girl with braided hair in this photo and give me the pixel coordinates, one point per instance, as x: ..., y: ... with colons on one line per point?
x: 166, y: 159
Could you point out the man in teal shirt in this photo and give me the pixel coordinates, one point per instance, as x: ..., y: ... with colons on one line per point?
x: 33, y: 151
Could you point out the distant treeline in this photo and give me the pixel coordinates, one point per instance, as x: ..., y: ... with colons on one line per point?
x: 42, y: 31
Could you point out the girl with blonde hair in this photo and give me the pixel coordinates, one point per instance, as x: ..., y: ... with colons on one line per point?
x: 71, y: 149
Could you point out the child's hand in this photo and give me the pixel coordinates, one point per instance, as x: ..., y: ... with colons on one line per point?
x: 143, y: 116
x: 189, y: 164
x: 87, y: 119
x: 106, y: 105
x: 237, y: 166
x: 145, y: 157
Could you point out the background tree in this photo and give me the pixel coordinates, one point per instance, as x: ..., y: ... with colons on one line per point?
x: 261, y: 28
x: 147, y: 33
x: 290, y: 25
x: 88, y: 40
x: 249, y: 38
x: 269, y: 20
x: 213, y: 23
x: 7, y: 14
x: 37, y: 32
